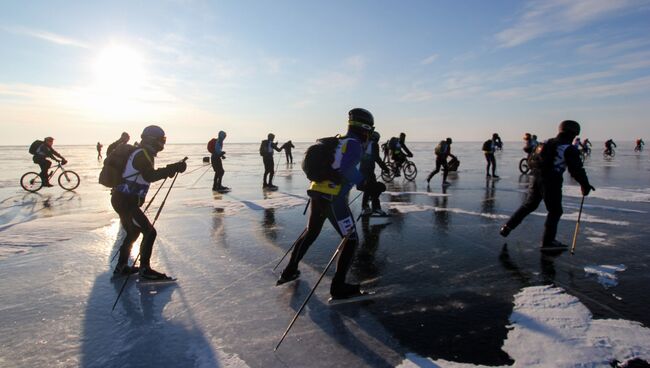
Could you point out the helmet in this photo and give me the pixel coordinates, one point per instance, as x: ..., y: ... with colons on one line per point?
x: 569, y: 126
x: 125, y: 135
x: 495, y: 135
x: 270, y: 136
x: 154, y: 137
x: 448, y: 140
x: 361, y: 118
x: 376, y: 136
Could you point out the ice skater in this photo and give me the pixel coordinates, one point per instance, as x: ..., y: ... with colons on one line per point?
x: 218, y: 154
x: 489, y: 147
x: 287, y: 151
x: 128, y: 197
x: 547, y: 166
x: 442, y: 152
x: 266, y: 151
x: 124, y: 139
x: 371, y: 188
x: 99, y: 151
x: 329, y: 200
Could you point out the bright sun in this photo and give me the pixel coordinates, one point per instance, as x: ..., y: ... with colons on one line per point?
x: 120, y: 78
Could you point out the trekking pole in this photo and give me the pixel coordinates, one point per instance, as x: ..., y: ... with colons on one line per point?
x: 306, y: 206
x: 295, y: 318
x: 196, y: 169
x: 152, y: 224
x: 575, y: 233
x: 290, y: 248
x: 199, y: 178
x: 145, y: 211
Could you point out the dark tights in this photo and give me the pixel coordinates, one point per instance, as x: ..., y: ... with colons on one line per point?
x: 491, y: 161
x: 134, y: 222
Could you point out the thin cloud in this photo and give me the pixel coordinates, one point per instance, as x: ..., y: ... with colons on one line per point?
x: 49, y: 37
x: 557, y: 16
x: 430, y: 59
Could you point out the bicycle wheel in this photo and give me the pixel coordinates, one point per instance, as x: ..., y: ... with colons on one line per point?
x: 523, y: 166
x: 388, y: 176
x: 31, y: 182
x: 613, y: 154
x: 410, y: 171
x: 69, y: 180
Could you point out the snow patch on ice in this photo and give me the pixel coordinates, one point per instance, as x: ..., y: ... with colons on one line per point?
x: 231, y: 207
x: 587, y: 218
x: 611, y: 193
x: 551, y: 328
x: 606, y: 274
x: 428, y: 194
x: 407, y: 207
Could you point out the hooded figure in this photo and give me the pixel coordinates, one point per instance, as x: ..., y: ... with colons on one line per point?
x: 217, y: 156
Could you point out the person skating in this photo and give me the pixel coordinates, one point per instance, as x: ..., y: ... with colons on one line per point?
x: 609, y: 147
x: 329, y: 200
x: 266, y: 151
x: 43, y: 152
x: 398, y: 151
x: 442, y: 152
x: 498, y: 143
x: 557, y: 155
x: 371, y: 188
x: 128, y: 197
x: 287, y: 151
x: 124, y: 139
x: 489, y: 147
x: 217, y: 156
x: 586, y: 146
x: 99, y: 151
x: 639, y: 145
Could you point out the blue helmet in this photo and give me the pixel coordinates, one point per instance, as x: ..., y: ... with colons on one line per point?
x: 154, y: 137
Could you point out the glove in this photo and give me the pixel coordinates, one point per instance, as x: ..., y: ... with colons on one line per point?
x: 223, y: 157
x: 64, y: 161
x: 586, y: 189
x: 177, y: 167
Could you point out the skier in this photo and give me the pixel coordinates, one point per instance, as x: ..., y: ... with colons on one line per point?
x: 489, y: 147
x: 370, y: 187
x: 217, y: 156
x: 43, y: 152
x: 442, y: 152
x: 128, y: 197
x: 399, y: 151
x: 124, y: 139
x: 99, y: 151
x: 266, y: 151
x: 287, y: 151
x: 330, y: 200
x: 557, y: 155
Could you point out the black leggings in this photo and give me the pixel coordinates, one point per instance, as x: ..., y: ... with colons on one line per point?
x: 440, y: 163
x: 551, y: 192
x: 289, y: 156
x: 336, y: 210
x: 491, y: 161
x: 45, y: 166
x: 269, y: 169
x: 217, y: 165
x: 134, y: 222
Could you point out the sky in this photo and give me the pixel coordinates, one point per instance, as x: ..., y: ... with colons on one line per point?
x: 84, y: 71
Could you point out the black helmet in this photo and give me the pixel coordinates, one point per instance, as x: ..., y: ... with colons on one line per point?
x: 361, y: 118
x: 448, y: 140
x: 376, y: 136
x: 569, y: 126
x: 270, y: 136
x: 154, y: 137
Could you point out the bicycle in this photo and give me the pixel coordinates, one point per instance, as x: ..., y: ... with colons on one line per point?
x: 68, y: 179
x: 524, y: 168
x: 638, y: 148
x: 408, y: 168
x: 607, y: 154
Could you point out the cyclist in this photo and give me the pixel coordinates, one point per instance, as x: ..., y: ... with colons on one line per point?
x: 639, y: 145
x: 529, y: 143
x: 44, y: 152
x: 399, y: 151
x: 608, y: 147
x: 586, y: 146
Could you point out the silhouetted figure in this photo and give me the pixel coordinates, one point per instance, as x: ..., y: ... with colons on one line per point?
x: 266, y: 151
x: 124, y: 139
x: 287, y: 151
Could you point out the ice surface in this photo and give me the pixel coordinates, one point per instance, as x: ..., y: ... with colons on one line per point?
x: 447, y: 281
x: 606, y: 274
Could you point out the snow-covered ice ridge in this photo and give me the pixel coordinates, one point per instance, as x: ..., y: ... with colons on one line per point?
x: 563, y: 332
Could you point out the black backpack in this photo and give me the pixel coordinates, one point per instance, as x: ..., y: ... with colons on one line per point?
x: 34, y: 146
x: 543, y: 156
x: 318, y: 160
x: 487, y: 146
x: 263, y: 148
x: 441, y: 148
x: 114, y: 165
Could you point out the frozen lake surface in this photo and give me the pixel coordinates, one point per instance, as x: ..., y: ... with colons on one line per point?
x: 450, y: 291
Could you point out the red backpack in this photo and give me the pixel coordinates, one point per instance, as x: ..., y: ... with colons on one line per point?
x: 211, y: 144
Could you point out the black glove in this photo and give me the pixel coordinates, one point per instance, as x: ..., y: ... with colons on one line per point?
x: 176, y: 167
x: 586, y: 189
x: 64, y: 161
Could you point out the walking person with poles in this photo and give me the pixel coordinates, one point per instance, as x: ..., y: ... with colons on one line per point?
x: 329, y: 200
x: 548, y: 163
x: 130, y: 194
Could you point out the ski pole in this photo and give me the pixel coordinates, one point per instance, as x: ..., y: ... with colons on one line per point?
x: 290, y: 248
x: 152, y: 224
x: 199, y: 178
x: 196, y: 169
x: 295, y: 318
x: 306, y: 206
x: 145, y: 211
x: 575, y: 233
